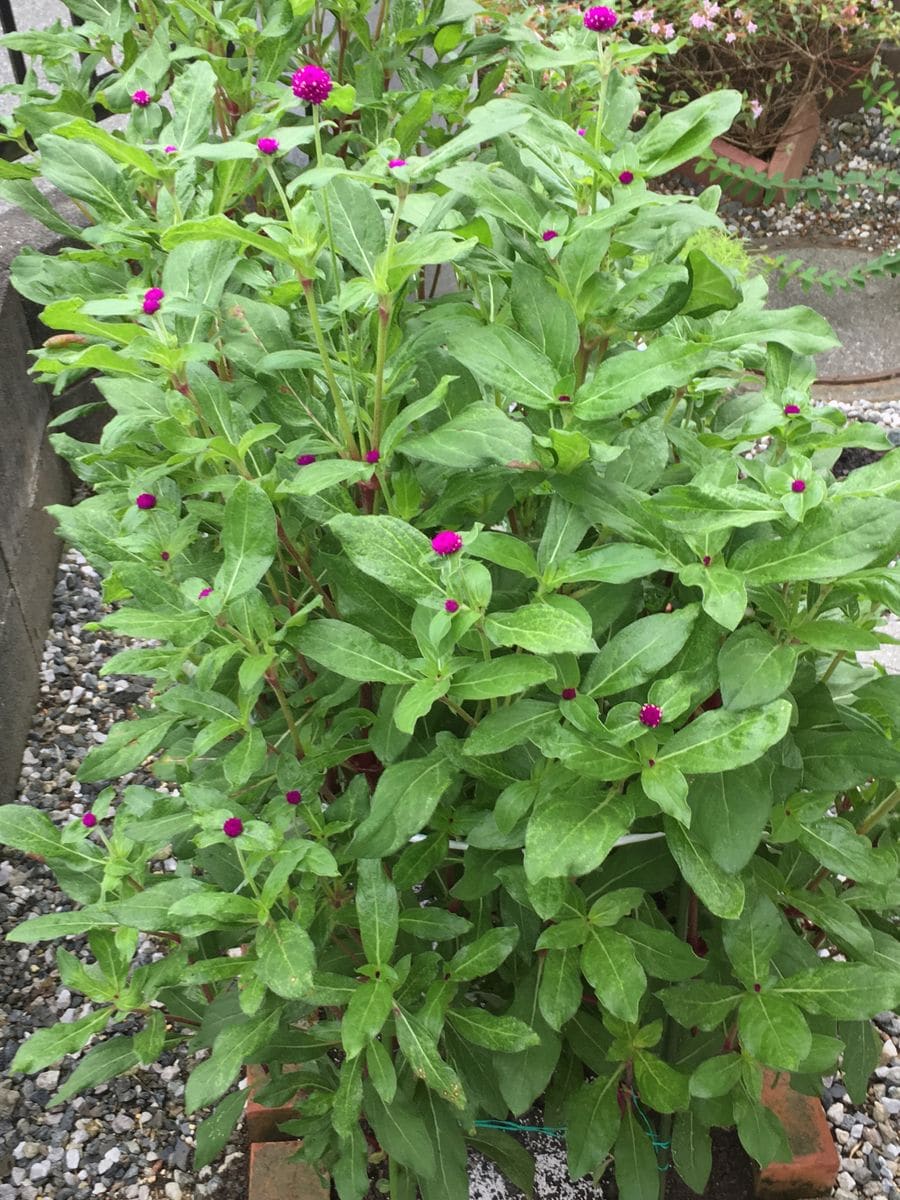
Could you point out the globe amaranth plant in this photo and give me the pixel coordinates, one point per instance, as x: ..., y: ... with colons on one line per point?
x: 511, y: 745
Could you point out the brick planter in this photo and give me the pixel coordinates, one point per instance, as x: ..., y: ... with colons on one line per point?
x: 274, y: 1177
x: 789, y: 159
x: 813, y: 1170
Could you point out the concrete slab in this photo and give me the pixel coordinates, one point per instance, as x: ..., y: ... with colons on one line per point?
x: 889, y: 654
x: 866, y: 320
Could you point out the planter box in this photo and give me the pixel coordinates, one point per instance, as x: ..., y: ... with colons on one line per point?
x: 815, y: 1165
x: 789, y: 159
x: 262, y: 1122
x: 274, y: 1177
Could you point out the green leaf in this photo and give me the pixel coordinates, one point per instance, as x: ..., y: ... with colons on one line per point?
x: 730, y: 811
x: 192, y: 96
x: 86, y: 173
x: 248, y: 540
x: 150, y: 910
x: 798, y: 328
x: 659, y: 1085
x: 319, y: 476
x: 127, y: 744
x: 451, y: 1180
x: 365, y: 1014
x: 847, y: 991
x: 391, y: 551
x: 836, y: 761
x: 571, y: 833
x: 110, y: 1058
x: 716, y: 1076
x: 723, y: 738
x: 513, y: 1160
x: 421, y: 1052
x: 546, y: 320
x: 502, y: 360
x: 401, y: 1133
x: 56, y: 925
x: 220, y: 228
x: 377, y: 908
x: 615, y: 563
x: 417, y: 702
x: 246, y: 759
x: 115, y: 148
x: 712, y: 288
x: 352, y: 652
x: 624, y: 380
x: 612, y: 969
x: 560, y: 991
x: 754, y: 669
x: 214, y: 1131
x: 233, y: 1046
x: 433, y: 924
x: 500, y: 677
x: 286, y: 958
x: 660, y: 952
x: 692, y: 1150
x: 357, y: 223
x: 404, y: 800
x: 774, y: 1030
x: 833, y: 540
x: 637, y: 652
x: 837, y: 846
x: 380, y: 1068
x: 478, y: 436
x: 724, y: 592
x: 706, y: 1005
x: 722, y: 893
x: 553, y: 625
x: 637, y: 1174
x: 760, y: 1132
x: 862, y: 1054
x: 510, y: 726
x: 506, y: 551
x: 348, y: 1098
x: 751, y: 941
x: 667, y: 788
x: 484, y: 955
x: 25, y: 195
x: 592, y: 1124
x: 687, y: 132
x: 46, y: 1046
x: 506, y: 1035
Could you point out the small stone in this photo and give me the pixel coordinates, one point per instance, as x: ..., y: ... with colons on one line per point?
x: 40, y: 1170
x: 846, y: 1181
x: 835, y: 1113
x: 73, y: 1158
x: 173, y: 1191
x: 47, y: 1079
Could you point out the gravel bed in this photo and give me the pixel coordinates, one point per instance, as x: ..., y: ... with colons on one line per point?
x: 129, y: 1138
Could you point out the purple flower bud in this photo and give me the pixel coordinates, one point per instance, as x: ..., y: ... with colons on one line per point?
x: 304, y: 460
x: 626, y: 177
x: 165, y: 556
x: 204, y: 592
x: 152, y: 300
x: 569, y: 693
x: 706, y: 560
x: 233, y: 827
x: 311, y: 83
x: 267, y: 145
x: 446, y: 542
x: 89, y: 820
x: 757, y: 987
x: 373, y: 456
x: 650, y: 715
x: 397, y: 162
x: 451, y: 606
x: 549, y: 234
x: 146, y: 500
x: 581, y: 132
x: 140, y: 98
x: 600, y: 19
x: 798, y: 485
x: 565, y: 398
x: 791, y: 410
x: 293, y: 796
x: 170, y: 150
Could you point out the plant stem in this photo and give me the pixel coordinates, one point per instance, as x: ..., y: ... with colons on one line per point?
x: 878, y: 814
x: 313, y: 310
x: 252, y: 882
x: 393, y: 1181
x: 384, y: 324
x: 288, y: 715
x: 832, y: 666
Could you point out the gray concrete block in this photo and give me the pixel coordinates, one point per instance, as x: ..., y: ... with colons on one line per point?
x: 18, y: 695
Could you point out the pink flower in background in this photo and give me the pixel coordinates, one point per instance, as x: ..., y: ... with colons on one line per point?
x: 756, y: 109
x: 204, y: 592
x: 146, y: 500
x: 797, y: 485
x: 668, y: 32
x: 581, y: 132
x: 233, y: 827
x: 791, y: 410
x: 165, y: 556
x: 711, y: 8
x: 397, y: 162
x: 267, y: 145
x: 699, y: 20
x: 304, y: 460
x: 153, y: 298
x: 626, y: 177
x: 451, y: 606
x: 569, y: 693
x: 372, y: 456
x: 89, y: 820
x: 549, y: 234
x: 140, y: 98
x: 293, y: 796
x: 311, y: 83
x: 655, y: 28
x: 730, y: 36
x: 170, y: 150
x: 641, y: 16
x: 650, y: 714
x: 600, y: 19
x: 446, y: 542
x: 752, y: 27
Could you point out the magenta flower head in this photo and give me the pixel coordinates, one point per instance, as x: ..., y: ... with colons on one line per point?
x: 599, y: 18
x: 397, y: 162
x: 650, y: 715
x: 797, y: 485
x: 373, y: 456
x: 165, y: 556
x: 170, y: 150
x: 204, y: 592
x: 311, y: 83
x: 146, y: 500
x: 304, y: 460
x: 791, y: 410
x: 89, y: 820
x: 293, y: 796
x: 153, y: 298
x: 569, y: 693
x: 706, y: 560
x: 446, y: 542
x: 233, y: 827
x: 626, y: 177
x: 549, y: 234
x: 267, y: 145
x: 140, y: 98
x: 581, y: 132
x: 565, y: 398
x: 451, y: 606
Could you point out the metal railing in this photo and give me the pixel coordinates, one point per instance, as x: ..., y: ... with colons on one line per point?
x: 8, y: 25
